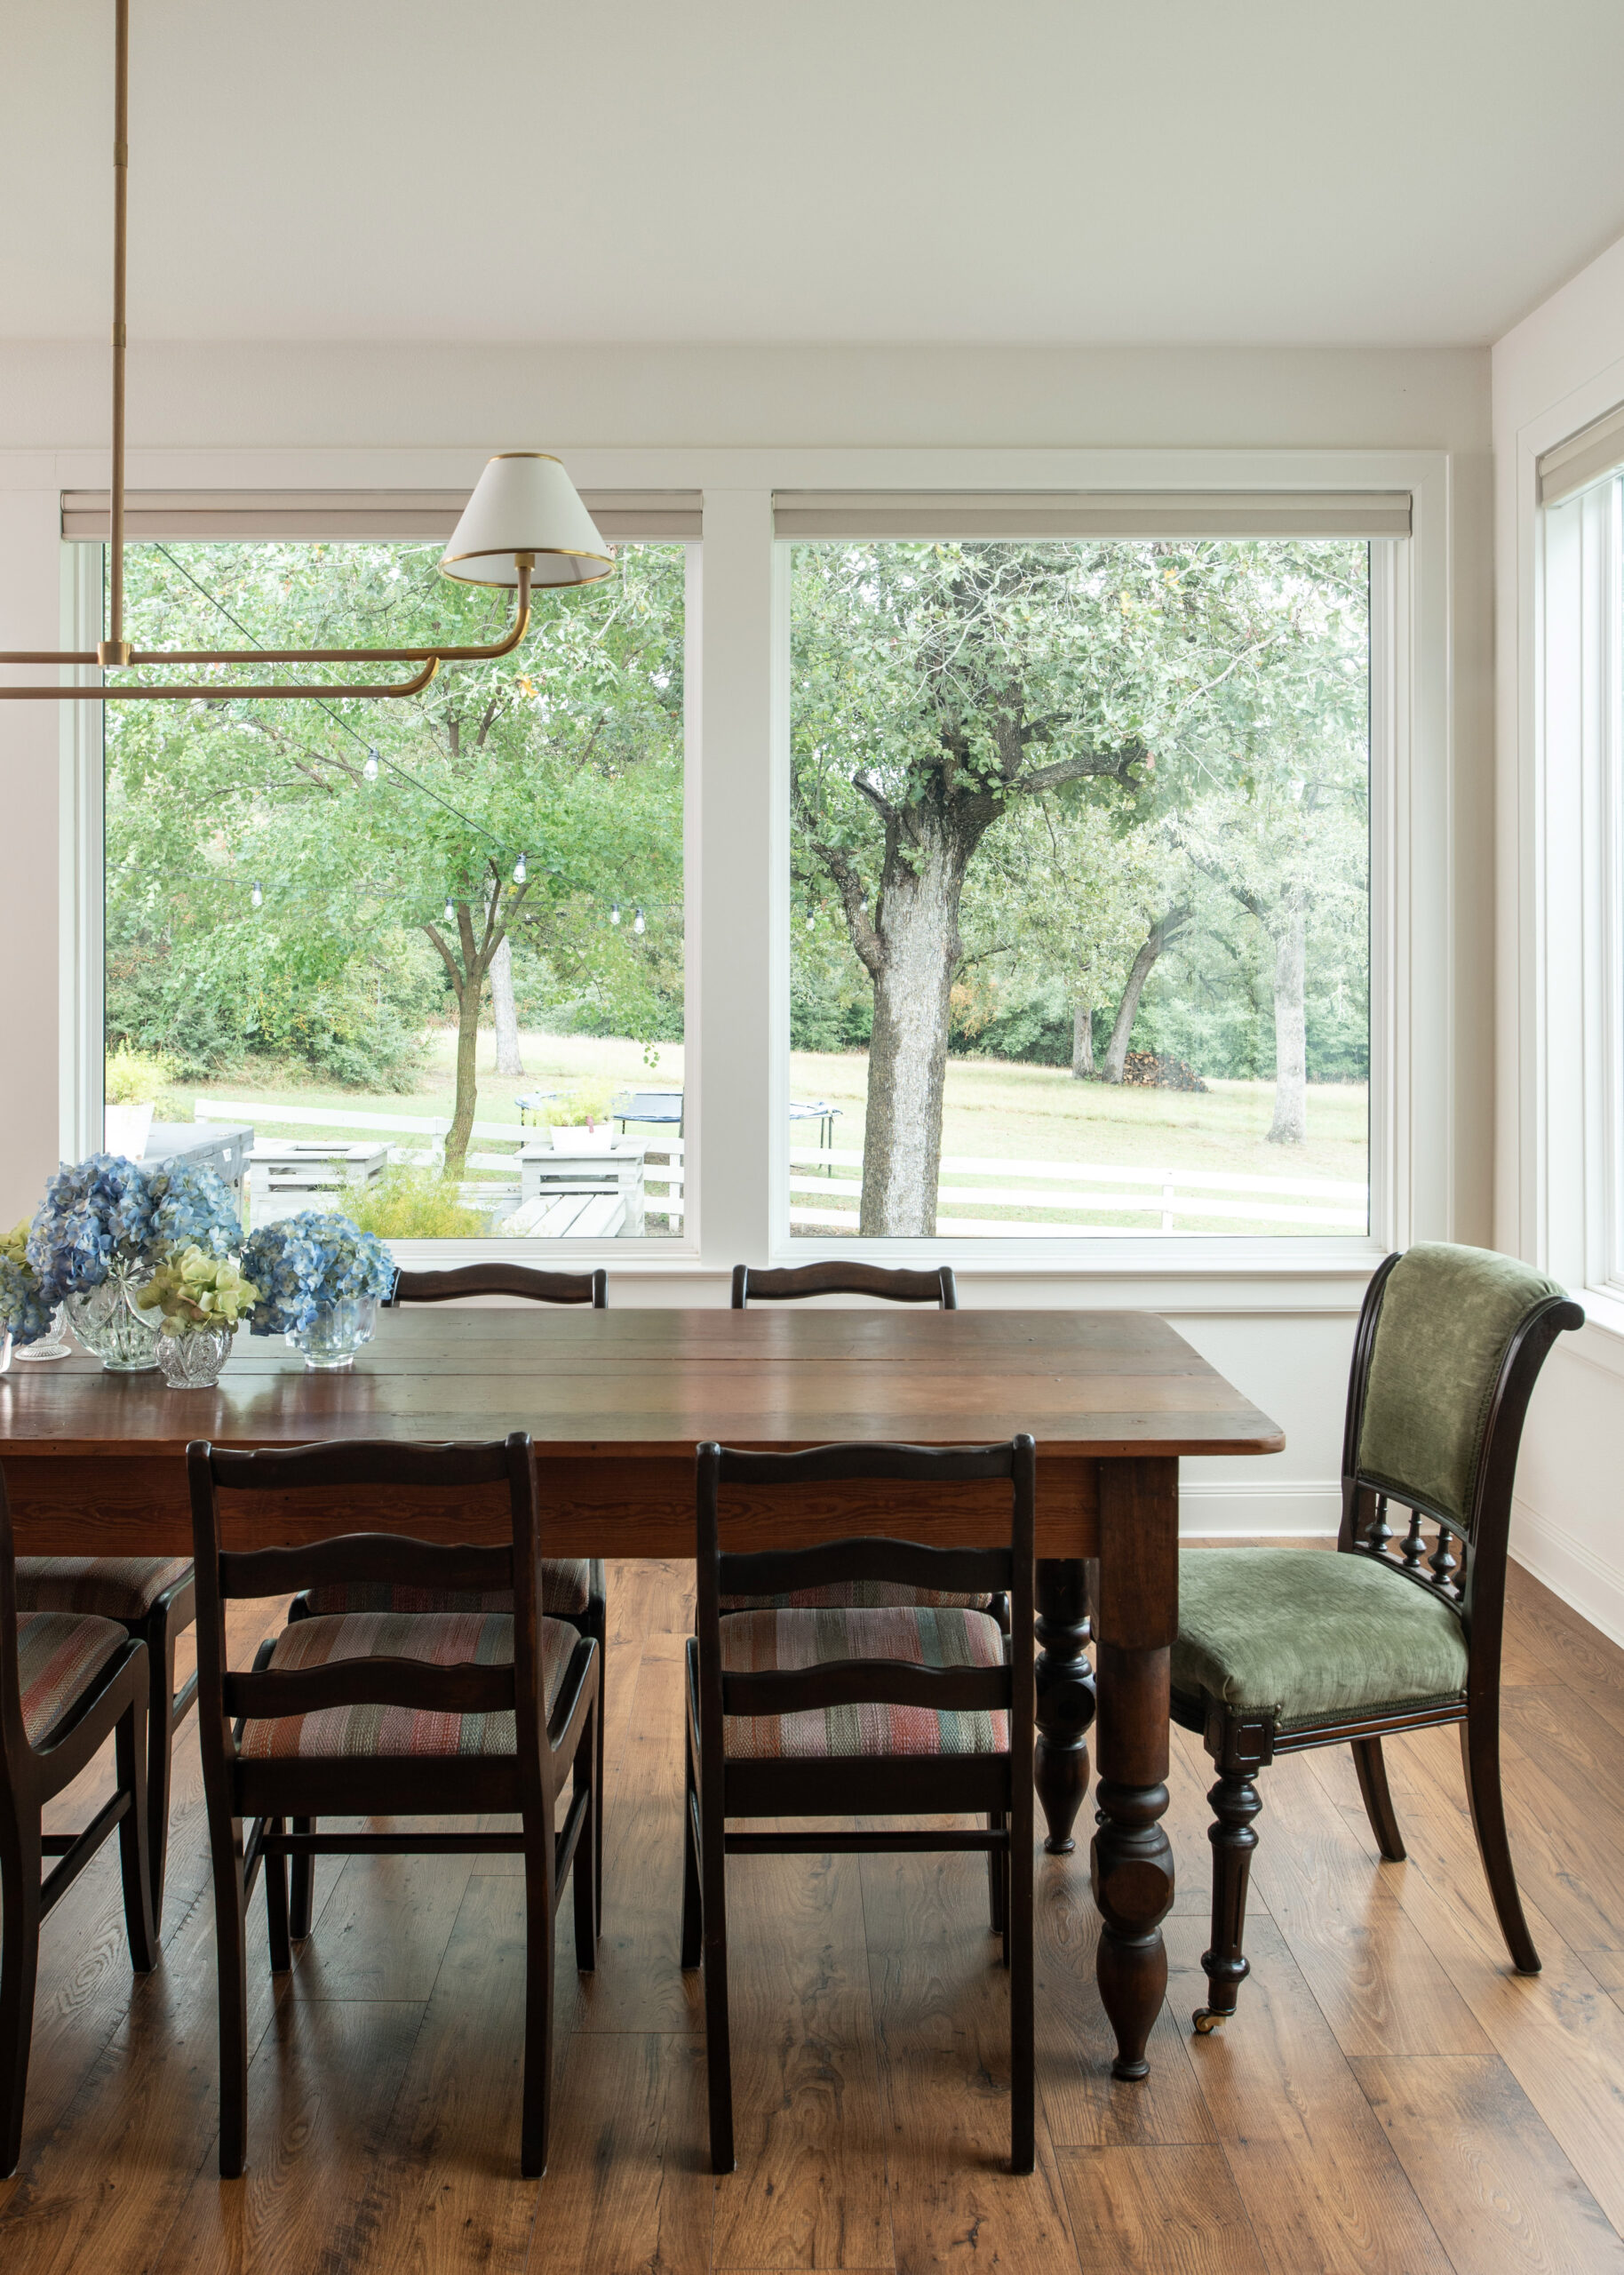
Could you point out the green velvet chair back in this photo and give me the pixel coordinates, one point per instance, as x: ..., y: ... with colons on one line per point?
x: 1450, y: 1344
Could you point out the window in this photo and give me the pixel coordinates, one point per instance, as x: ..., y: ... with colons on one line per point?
x: 1081, y: 881
x: 430, y: 952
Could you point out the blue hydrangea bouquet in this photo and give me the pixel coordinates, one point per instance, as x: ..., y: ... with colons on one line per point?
x: 25, y: 1312
x: 321, y: 1278
x: 104, y: 1227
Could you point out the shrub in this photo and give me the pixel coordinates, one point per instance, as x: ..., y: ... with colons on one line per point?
x: 413, y: 1205
x: 134, y: 1077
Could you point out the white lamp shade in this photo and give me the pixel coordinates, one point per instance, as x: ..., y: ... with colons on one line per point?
x: 524, y: 502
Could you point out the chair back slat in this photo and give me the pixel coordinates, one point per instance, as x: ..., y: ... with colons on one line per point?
x: 364, y: 1556
x: 526, y: 1281
x: 358, y: 1461
x: 864, y: 1682
x: 269, y: 1694
x: 904, y: 1563
x: 850, y: 1463
x: 794, y: 1282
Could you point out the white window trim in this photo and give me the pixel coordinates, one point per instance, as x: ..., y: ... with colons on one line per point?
x: 736, y: 826
x: 1574, y: 1167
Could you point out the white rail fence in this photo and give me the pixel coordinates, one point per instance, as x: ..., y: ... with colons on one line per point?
x: 1055, y: 1197
x: 1062, y: 1192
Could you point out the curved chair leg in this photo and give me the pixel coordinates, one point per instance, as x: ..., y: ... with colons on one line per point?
x: 1371, y: 1773
x: 1480, y: 1756
x: 597, y: 1626
x: 225, y: 1841
x: 20, y: 1904
x: 584, y: 1870
x: 691, y: 1907
x: 997, y: 1909
x: 1235, y: 1803
x: 134, y: 1833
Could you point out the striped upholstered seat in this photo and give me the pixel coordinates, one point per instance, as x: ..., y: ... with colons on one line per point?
x: 442, y: 1638
x: 758, y: 1642
x: 112, y: 1587
x: 566, y: 1591
x: 60, y: 1655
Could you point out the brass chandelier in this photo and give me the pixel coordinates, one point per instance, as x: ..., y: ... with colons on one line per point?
x: 524, y: 526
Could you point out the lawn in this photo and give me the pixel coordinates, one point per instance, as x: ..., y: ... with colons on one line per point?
x: 996, y: 1110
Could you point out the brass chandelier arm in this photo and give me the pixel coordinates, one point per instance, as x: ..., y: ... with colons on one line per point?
x: 212, y: 691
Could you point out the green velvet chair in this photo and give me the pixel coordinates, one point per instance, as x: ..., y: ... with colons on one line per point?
x: 1283, y: 1648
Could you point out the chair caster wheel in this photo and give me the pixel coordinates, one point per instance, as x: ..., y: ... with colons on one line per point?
x: 1207, y: 2021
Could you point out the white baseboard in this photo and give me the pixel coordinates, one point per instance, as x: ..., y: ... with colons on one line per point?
x: 1291, y: 1508
x: 1588, y: 1584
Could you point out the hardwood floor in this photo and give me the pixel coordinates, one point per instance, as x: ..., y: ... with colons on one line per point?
x: 1390, y: 2097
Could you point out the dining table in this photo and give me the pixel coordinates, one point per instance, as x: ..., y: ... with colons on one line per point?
x: 616, y: 1402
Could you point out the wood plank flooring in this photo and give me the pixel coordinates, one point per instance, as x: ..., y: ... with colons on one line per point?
x: 1391, y: 2099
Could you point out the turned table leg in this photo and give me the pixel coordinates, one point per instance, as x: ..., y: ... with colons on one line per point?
x: 1132, y: 1861
x: 1065, y: 1696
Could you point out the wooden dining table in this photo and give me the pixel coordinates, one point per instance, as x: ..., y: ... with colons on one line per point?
x: 617, y: 1401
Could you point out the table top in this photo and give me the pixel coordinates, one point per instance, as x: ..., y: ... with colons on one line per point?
x: 625, y: 1382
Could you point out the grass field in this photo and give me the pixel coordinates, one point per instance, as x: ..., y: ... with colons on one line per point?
x: 995, y: 1110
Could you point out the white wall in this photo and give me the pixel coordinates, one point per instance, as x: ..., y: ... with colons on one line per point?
x: 239, y: 415
x: 1561, y: 367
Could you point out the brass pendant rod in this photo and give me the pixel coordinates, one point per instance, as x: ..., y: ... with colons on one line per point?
x: 115, y: 650
x: 112, y: 650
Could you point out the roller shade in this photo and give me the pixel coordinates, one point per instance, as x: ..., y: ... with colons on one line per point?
x: 1596, y: 449
x: 1082, y: 514
x: 312, y: 515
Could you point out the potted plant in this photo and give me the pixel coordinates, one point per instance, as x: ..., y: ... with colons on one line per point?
x: 319, y: 1278
x: 200, y: 1298
x: 104, y: 1227
x: 583, y: 1124
x: 25, y: 1315
x: 130, y: 1086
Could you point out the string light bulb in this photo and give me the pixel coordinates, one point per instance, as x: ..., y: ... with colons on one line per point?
x: 370, y: 769
x: 256, y: 899
x: 637, y: 922
x: 615, y: 913
x: 811, y: 920
x: 521, y: 870
x: 450, y: 913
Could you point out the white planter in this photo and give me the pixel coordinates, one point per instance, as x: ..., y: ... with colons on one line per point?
x: 601, y: 1140
x: 126, y: 1129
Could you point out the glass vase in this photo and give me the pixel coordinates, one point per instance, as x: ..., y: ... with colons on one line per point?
x: 193, y: 1361
x: 107, y: 1322
x: 334, y: 1337
x: 6, y: 1352
x: 54, y: 1344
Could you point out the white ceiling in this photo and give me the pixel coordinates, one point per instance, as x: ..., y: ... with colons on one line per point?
x: 1153, y: 171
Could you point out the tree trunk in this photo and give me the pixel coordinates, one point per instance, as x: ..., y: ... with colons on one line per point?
x: 1122, y: 1027
x: 1082, y: 1040
x: 508, y: 1061
x: 468, y: 994
x: 907, y: 1053
x: 1290, y: 1063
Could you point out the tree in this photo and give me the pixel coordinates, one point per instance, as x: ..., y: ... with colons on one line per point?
x: 931, y: 683
x: 260, y: 854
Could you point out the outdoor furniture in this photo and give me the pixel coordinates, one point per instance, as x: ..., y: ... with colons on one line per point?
x: 224, y: 1147
x: 153, y: 1600
x: 818, y: 1110
x: 286, y: 1175
x: 558, y: 1188
x: 533, y: 1102
x: 945, y: 1703
x: 486, y: 1712
x: 618, y: 1398
x: 1279, y: 1648
x: 657, y: 1107
x: 67, y: 1681
x: 573, y: 1588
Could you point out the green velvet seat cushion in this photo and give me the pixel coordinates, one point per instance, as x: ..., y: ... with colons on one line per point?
x: 1305, y: 1637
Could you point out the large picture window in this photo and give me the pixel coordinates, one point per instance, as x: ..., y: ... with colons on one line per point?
x: 1080, y: 858
x: 429, y: 953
